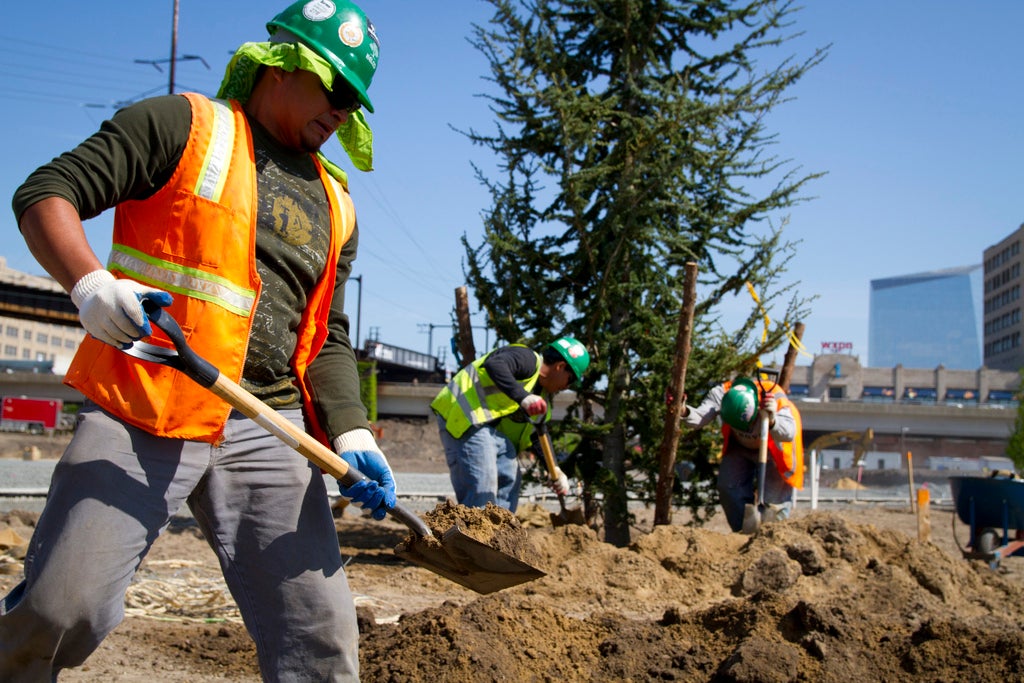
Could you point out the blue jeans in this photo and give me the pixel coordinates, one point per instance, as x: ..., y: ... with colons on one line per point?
x: 737, y: 482
x: 483, y: 465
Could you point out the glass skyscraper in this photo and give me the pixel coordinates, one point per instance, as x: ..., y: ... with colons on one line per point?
x: 927, y: 319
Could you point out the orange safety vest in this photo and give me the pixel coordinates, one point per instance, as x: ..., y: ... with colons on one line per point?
x: 788, y: 456
x: 195, y: 238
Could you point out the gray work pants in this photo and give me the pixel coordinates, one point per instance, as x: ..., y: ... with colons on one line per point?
x: 261, y: 506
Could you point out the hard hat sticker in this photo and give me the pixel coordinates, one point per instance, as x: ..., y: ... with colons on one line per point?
x: 318, y: 10
x: 351, y: 33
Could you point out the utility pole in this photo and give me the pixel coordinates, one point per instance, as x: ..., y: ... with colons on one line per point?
x: 174, y: 48
x: 359, y: 306
x: 173, y: 60
x: 430, y: 334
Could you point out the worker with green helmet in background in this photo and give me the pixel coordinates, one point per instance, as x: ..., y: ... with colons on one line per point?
x: 484, y: 413
x: 738, y: 403
x: 228, y: 214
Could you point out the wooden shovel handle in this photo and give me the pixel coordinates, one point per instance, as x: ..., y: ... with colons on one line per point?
x: 207, y: 375
x: 545, y: 447
x: 762, y: 446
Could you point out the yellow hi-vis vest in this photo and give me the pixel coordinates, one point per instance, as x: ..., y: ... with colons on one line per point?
x: 196, y: 238
x: 471, y: 399
x: 789, y: 456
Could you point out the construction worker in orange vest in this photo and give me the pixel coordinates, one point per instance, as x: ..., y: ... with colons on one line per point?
x: 738, y: 403
x: 228, y: 214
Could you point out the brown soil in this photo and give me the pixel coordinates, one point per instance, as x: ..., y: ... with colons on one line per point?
x: 844, y: 594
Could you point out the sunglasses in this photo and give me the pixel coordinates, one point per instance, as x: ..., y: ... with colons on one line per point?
x: 342, y: 97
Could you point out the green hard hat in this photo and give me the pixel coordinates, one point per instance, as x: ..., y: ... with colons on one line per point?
x: 575, y: 354
x: 339, y: 32
x: 740, y: 403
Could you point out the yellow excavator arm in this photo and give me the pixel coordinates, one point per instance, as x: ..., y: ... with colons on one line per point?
x: 863, y: 442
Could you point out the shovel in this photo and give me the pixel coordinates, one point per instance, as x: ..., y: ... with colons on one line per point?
x: 752, y: 513
x: 456, y: 555
x: 565, y: 515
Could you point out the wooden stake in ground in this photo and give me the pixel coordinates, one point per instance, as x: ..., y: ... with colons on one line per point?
x: 677, y: 387
x: 789, y: 362
x: 466, y: 347
x: 910, y: 474
x: 924, y: 524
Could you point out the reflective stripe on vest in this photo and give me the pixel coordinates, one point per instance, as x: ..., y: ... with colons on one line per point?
x: 471, y: 398
x: 482, y: 413
x: 214, y: 171
x: 182, y: 279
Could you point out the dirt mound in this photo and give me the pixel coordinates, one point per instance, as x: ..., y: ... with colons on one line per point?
x: 843, y: 595
x: 816, y: 599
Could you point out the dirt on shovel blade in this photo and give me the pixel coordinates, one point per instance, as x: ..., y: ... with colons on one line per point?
x: 483, y: 549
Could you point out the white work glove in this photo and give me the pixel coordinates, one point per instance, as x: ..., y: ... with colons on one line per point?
x: 359, y: 449
x: 560, y: 483
x: 111, y: 309
x: 534, y: 405
x: 770, y: 408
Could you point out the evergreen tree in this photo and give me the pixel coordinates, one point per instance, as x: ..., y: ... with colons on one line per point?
x: 630, y: 138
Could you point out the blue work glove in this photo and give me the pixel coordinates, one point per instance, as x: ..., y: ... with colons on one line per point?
x: 359, y: 449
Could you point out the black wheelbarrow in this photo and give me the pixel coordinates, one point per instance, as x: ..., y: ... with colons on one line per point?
x: 993, y: 509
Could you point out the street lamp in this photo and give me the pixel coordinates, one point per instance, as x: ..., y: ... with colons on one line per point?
x: 359, y: 306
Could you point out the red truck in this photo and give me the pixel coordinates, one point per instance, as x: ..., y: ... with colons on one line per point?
x: 33, y: 415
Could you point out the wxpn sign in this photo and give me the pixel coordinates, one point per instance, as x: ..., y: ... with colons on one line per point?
x: 836, y: 347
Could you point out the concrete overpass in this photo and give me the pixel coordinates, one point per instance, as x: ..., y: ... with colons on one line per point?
x: 954, y: 430
x: 964, y: 430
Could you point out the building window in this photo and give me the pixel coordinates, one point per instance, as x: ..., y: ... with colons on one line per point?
x: 26, y: 354
x: 836, y: 392
x: 12, y: 331
x: 961, y: 395
x: 27, y: 334
x: 56, y: 341
x: 11, y: 351
x: 42, y: 338
x: 878, y: 394
x: 920, y: 395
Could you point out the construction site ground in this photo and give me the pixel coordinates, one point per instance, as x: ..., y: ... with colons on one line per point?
x: 844, y: 593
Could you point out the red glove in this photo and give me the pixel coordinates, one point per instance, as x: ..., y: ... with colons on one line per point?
x: 534, y: 405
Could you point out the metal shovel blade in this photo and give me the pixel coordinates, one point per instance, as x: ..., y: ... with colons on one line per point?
x: 567, y: 516
x: 751, y: 519
x: 459, y: 557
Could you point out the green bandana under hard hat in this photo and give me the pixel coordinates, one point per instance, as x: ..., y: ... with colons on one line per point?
x: 355, y: 135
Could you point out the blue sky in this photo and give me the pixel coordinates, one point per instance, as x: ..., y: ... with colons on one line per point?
x: 915, y: 116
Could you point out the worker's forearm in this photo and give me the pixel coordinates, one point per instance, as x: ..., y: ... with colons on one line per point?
x: 55, y: 236
x: 784, y: 428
